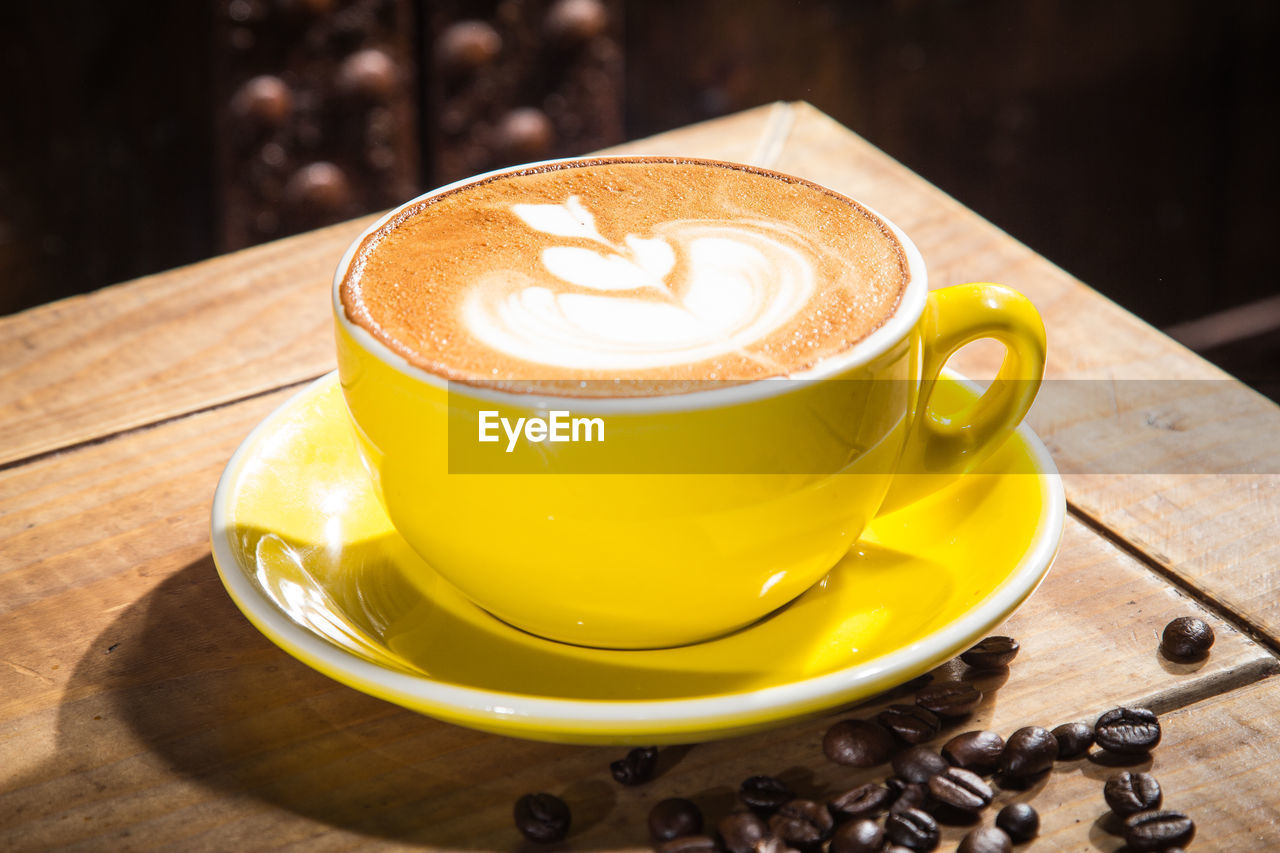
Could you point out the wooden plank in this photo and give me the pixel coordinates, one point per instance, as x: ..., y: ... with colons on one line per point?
x: 1122, y: 397
x: 138, y: 708
x: 223, y: 329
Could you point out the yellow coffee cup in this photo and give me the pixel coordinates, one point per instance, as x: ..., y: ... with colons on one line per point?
x: 696, y: 513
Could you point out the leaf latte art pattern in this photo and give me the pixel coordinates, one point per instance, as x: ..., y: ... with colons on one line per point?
x: 693, y: 289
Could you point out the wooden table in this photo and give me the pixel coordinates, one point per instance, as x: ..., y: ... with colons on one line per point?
x: 139, y: 708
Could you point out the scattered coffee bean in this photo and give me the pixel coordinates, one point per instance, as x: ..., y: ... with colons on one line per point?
x: 910, y: 723
x: 863, y: 801
x: 961, y: 789
x: 978, y: 751
x: 1128, y: 731
x: 542, y: 817
x: 918, y: 763
x: 858, y: 836
x: 913, y: 829
x: 1028, y: 751
x: 858, y: 743
x: 950, y: 698
x: 691, y: 844
x: 991, y: 653
x: 1129, y: 793
x: 988, y: 839
x: 742, y: 831
x: 674, y: 817
x: 1158, y: 830
x: 637, y: 767
x: 914, y: 795
x: 802, y: 824
x: 1019, y: 821
x: 1074, y: 739
x: 1186, y: 639
x: 764, y: 794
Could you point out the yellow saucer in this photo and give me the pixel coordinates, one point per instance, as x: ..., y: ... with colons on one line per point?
x: 308, y: 555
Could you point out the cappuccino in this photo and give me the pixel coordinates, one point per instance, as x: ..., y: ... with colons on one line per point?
x: 652, y: 273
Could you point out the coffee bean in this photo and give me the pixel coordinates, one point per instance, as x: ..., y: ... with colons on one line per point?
x: 674, y: 817
x: 913, y: 829
x: 950, y: 698
x: 765, y: 793
x: 1186, y: 639
x: 1158, y: 830
x: 863, y: 801
x: 803, y: 824
x: 1128, y: 731
x: 988, y: 839
x: 1028, y: 751
x: 858, y: 836
x: 691, y: 844
x: 1020, y: 822
x: 858, y: 743
x: 542, y: 817
x: 961, y: 789
x: 742, y: 831
x: 1074, y: 739
x: 1129, y: 793
x: 910, y: 723
x: 918, y: 763
x: 913, y: 795
x: 978, y: 751
x: 991, y: 653
x: 637, y: 767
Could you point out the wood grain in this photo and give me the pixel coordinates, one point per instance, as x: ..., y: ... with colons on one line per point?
x: 138, y: 707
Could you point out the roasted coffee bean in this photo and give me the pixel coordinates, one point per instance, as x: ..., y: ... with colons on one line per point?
x: 1028, y: 751
x: 988, y: 839
x: 764, y: 794
x: 950, y: 698
x: 1158, y: 830
x: 742, y: 831
x: 913, y: 795
x: 918, y: 763
x: 1128, y: 731
x: 866, y: 800
x: 674, y: 817
x: 961, y: 789
x: 991, y: 653
x: 1129, y: 793
x: 858, y: 743
x: 1186, y: 639
x: 978, y: 751
x: 637, y: 767
x: 691, y: 844
x: 1074, y: 739
x: 910, y: 723
x: 542, y: 817
x: 913, y: 829
x: 803, y: 824
x: 1020, y: 822
x: 858, y: 836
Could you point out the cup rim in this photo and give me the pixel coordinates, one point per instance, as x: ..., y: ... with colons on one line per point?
x: 895, y: 327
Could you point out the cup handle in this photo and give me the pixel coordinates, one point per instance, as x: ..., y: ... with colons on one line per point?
x: 956, y: 442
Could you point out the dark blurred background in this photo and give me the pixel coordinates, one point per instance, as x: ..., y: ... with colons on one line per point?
x: 1133, y: 143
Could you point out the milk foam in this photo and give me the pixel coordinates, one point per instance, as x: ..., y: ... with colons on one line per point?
x: 694, y: 291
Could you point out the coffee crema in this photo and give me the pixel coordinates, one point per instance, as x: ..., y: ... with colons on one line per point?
x: 618, y: 277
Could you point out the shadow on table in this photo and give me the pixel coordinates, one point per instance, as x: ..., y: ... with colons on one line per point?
x: 225, y: 708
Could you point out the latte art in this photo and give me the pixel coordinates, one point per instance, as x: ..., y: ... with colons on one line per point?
x: 694, y: 291
x: 660, y: 271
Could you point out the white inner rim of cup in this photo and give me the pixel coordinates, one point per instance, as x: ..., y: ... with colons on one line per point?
x: 896, y: 327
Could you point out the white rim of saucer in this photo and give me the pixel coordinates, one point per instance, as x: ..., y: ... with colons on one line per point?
x: 894, y: 329
x: 623, y: 718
